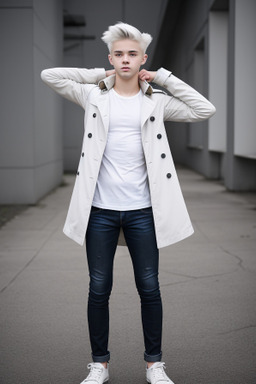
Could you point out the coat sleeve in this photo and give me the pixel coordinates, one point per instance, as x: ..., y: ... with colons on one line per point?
x: 185, y: 104
x: 73, y: 83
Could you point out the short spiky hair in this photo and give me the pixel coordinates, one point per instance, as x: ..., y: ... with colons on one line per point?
x: 122, y: 31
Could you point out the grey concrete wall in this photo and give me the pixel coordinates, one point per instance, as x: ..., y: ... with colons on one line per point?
x: 240, y: 171
x: 31, y: 115
x: 210, y: 45
x: 145, y: 14
x: 187, y: 57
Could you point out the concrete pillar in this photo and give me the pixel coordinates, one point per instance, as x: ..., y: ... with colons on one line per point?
x: 218, y: 66
x: 31, y: 114
x: 240, y: 174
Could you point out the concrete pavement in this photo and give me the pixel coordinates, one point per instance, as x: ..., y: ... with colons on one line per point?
x: 208, y: 285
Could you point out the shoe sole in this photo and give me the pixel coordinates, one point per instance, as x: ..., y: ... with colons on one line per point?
x: 105, y: 381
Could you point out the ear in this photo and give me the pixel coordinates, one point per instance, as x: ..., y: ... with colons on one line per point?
x: 145, y: 57
x: 110, y: 59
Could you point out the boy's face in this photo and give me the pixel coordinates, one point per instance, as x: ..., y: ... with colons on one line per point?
x: 127, y: 56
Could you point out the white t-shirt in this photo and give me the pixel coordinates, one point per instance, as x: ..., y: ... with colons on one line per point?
x: 123, y: 182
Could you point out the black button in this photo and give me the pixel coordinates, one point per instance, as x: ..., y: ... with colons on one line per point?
x: 169, y: 175
x: 89, y: 135
x: 163, y: 155
x: 77, y: 173
x: 94, y: 115
x: 83, y: 154
x: 159, y: 136
x: 152, y: 118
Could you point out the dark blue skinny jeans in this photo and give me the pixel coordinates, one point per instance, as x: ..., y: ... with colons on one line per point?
x: 101, y: 242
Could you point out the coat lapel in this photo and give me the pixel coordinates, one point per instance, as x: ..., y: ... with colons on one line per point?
x: 101, y: 101
x: 147, y: 108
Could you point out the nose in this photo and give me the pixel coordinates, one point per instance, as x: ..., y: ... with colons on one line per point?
x: 125, y: 58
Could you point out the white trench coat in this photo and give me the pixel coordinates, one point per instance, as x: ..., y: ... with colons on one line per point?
x: 89, y: 89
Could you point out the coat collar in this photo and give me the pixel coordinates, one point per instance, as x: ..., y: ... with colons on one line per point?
x: 109, y: 82
x: 100, y: 101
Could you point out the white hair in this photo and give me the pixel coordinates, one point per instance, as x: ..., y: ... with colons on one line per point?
x: 122, y: 31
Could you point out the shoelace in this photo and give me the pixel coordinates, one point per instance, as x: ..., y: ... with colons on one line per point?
x: 159, y: 373
x: 95, y: 372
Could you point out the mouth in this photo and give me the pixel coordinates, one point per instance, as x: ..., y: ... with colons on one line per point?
x: 125, y: 69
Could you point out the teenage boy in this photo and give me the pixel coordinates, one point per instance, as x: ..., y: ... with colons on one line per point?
x: 126, y: 179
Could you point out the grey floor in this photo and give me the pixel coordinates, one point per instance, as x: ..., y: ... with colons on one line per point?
x: 208, y: 288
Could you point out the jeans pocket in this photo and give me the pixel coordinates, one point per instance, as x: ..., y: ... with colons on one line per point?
x: 95, y: 209
x: 147, y: 210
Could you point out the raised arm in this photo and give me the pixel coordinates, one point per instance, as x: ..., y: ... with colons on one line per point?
x: 73, y: 83
x: 185, y: 104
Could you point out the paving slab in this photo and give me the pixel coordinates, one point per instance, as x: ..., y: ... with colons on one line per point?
x: 208, y: 287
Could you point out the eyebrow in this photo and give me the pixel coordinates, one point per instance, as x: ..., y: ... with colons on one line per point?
x: 131, y: 51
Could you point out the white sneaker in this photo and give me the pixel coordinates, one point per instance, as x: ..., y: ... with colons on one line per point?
x: 98, y: 374
x: 157, y: 375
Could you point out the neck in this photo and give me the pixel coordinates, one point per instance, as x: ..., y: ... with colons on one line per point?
x: 127, y: 87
